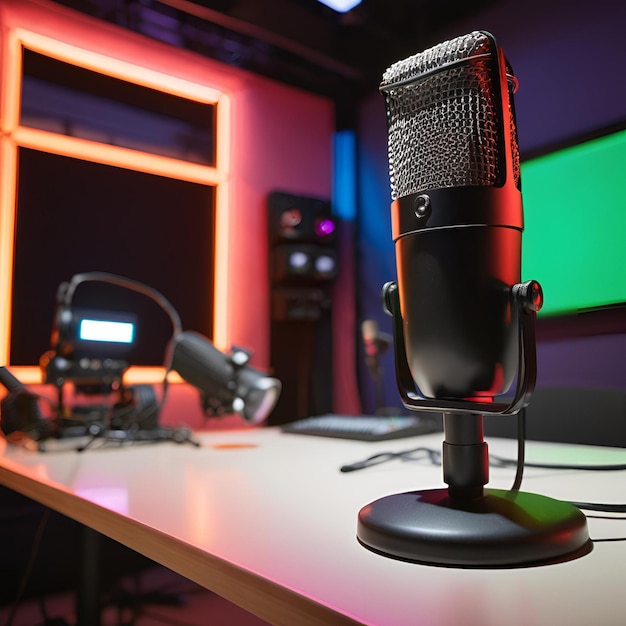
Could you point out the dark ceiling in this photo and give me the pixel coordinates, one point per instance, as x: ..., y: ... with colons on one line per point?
x: 300, y: 42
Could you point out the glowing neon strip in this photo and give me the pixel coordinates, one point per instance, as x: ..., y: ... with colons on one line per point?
x: 115, y: 68
x: 222, y: 277
x: 114, y: 155
x: 8, y: 174
x: 9, y: 111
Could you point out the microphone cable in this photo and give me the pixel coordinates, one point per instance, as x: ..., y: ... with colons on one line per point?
x: 521, y: 449
x: 434, y: 456
x: 521, y: 463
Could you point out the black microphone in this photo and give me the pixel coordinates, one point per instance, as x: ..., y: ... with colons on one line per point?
x: 19, y: 411
x: 457, y: 215
x: 463, y: 323
x: 226, y: 381
x: 375, y: 342
x: 10, y: 382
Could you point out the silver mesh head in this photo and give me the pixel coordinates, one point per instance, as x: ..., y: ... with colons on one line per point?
x: 443, y: 122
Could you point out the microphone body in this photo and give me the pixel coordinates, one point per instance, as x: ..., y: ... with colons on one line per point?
x: 456, y: 216
x: 460, y: 328
x: 464, y: 326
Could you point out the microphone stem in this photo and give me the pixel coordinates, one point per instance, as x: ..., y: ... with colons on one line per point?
x: 380, y: 391
x: 465, y: 455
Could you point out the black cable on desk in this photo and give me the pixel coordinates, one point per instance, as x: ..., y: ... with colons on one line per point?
x: 406, y: 455
x: 605, y: 508
x: 434, y: 456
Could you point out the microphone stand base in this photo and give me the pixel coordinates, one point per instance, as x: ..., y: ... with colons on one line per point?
x: 501, y: 529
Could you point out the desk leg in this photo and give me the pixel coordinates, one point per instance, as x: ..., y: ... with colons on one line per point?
x: 88, y: 594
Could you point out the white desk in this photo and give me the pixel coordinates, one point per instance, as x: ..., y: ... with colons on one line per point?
x: 267, y: 521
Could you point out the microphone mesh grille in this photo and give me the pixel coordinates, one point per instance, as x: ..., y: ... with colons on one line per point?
x: 443, y: 127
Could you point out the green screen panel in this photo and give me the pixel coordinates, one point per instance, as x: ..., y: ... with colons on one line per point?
x: 574, y: 239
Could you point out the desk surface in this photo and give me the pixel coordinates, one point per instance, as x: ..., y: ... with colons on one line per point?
x: 267, y: 521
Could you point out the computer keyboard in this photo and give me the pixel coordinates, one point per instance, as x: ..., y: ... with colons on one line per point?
x: 363, y: 427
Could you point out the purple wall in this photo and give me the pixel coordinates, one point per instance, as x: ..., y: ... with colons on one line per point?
x: 568, y: 58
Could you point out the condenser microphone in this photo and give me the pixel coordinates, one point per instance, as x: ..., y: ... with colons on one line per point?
x: 463, y: 323
x: 456, y: 215
x: 375, y: 343
x: 19, y: 411
x: 369, y: 331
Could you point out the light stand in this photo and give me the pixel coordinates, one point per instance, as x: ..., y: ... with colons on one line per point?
x: 465, y: 524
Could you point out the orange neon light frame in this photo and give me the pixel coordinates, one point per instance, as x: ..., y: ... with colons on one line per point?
x: 14, y: 136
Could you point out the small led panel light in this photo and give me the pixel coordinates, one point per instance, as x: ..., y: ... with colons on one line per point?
x: 95, y: 333
x: 342, y: 6
x: 104, y: 330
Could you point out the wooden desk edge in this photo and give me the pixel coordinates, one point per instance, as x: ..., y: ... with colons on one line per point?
x: 264, y: 598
